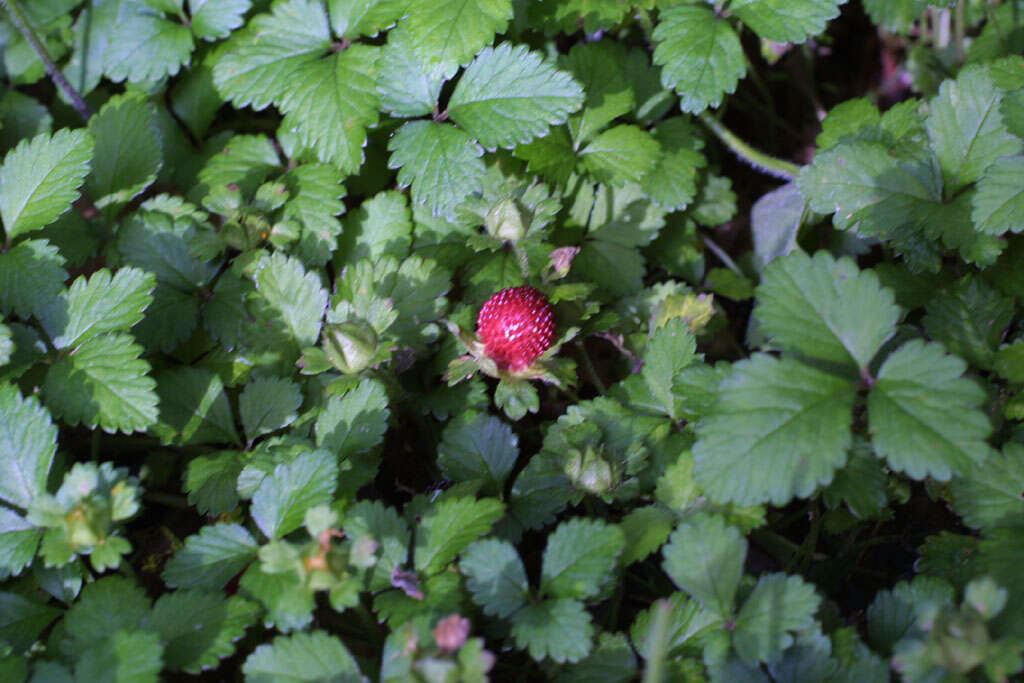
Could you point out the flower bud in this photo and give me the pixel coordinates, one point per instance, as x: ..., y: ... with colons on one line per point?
x: 351, y: 347
x: 505, y: 221
x: 589, y: 471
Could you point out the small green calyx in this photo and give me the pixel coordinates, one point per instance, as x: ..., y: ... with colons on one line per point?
x: 350, y: 347
x: 589, y: 471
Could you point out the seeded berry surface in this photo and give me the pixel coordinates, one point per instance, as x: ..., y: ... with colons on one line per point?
x: 516, y: 325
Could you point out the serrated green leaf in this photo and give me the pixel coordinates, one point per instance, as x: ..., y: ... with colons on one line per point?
x: 778, y: 604
x: 28, y: 442
x: 867, y: 188
x: 210, y: 558
x: 354, y: 422
x: 329, y: 102
x: 280, y: 503
x: 579, y: 558
x: 783, y: 424
x: 259, y: 61
x: 381, y: 225
x: 989, y: 496
x: 672, y: 183
x: 704, y: 557
x: 128, y: 154
x: 288, y: 601
x: 352, y: 18
x: 99, y: 305
x: 198, y: 627
x: 686, y: 618
x: 998, y: 204
x: 19, y: 540
x: 620, y: 155
x: 966, y: 127
x: 293, y: 294
x: 194, y: 408
x: 31, y: 277
x: 124, y: 656
x: 495, y: 576
x: 105, y: 383
x: 825, y: 308
x: 509, y: 95
x: 315, y: 203
x: 599, y: 68
x: 448, y: 34
x: 896, y: 15
x: 646, y: 529
x: 440, y: 162
x: 145, y: 46
x: 40, y: 178
x: 302, y: 657
x: 924, y: 416
x: 91, y: 619
x: 478, y: 448
x: 611, y: 661
x: 671, y: 349
x: 450, y: 526
x: 6, y: 345
x: 210, y: 482
x: 557, y: 629
x: 371, y: 519
x: 22, y: 620
x: 268, y: 404
x: 161, y: 245
x: 212, y: 19
x: 787, y: 21
x: 861, y: 483
x: 700, y: 56
x: 407, y: 85
x: 969, y: 320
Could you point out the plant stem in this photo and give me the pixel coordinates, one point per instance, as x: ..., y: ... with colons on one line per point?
x: 20, y: 21
x: 959, y: 30
x: 588, y: 367
x: 723, y: 257
x: 765, y: 163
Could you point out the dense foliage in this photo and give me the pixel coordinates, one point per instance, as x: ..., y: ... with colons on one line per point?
x: 247, y: 429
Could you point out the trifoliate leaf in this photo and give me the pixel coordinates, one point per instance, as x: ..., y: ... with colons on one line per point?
x: 509, y: 95
x: 212, y: 19
x: 557, y: 629
x: 599, y: 68
x: 31, y: 277
x: 99, y: 305
x: 672, y: 348
x: 194, y: 408
x: 303, y: 658
x: 969, y: 320
x: 478, y: 448
x: 867, y: 188
x: 104, y: 382
x: 924, y: 416
x: 778, y: 605
x: 779, y: 430
x: 825, y: 308
x: 579, y: 558
x: 40, y: 178
x: 700, y: 55
x: 448, y: 34
x: 128, y: 153
x: 704, y: 557
x: 259, y: 62
x: 289, y: 603
x: 407, y: 85
x: 199, y: 627
x: 210, y: 482
x: 27, y: 446
x: 495, y: 576
x: 620, y: 155
x: 145, y: 46
x: 329, y: 102
x: 990, y: 495
x: 210, y: 558
x: 998, y: 204
x: 449, y: 526
x: 268, y: 404
x: 441, y: 162
x: 966, y: 127
x: 354, y: 422
x: 787, y: 21
x: 294, y: 295
x: 123, y: 656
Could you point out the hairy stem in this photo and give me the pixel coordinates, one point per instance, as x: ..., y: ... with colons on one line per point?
x: 17, y: 16
x: 657, y: 642
x: 765, y: 163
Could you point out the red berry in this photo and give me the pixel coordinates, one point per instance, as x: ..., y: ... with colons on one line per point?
x: 516, y: 325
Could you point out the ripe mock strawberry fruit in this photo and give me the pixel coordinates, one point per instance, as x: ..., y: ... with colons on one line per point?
x: 516, y: 325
